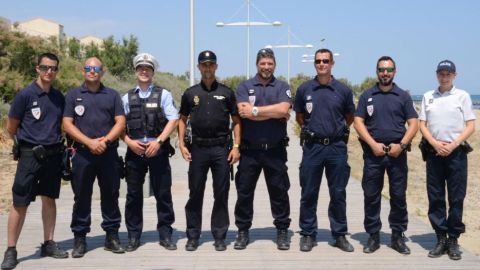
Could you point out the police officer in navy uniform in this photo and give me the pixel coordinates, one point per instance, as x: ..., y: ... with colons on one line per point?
x: 324, y: 109
x: 447, y: 120
x: 35, y: 119
x: 94, y: 119
x: 380, y: 119
x: 151, y: 118
x: 263, y: 104
x: 209, y: 105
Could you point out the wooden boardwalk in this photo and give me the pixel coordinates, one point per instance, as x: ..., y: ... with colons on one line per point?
x: 261, y: 253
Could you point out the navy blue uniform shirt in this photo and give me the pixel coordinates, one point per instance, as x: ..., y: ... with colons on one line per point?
x: 93, y: 112
x: 253, y: 91
x: 209, y: 110
x: 324, y: 106
x: 385, y: 113
x: 40, y: 114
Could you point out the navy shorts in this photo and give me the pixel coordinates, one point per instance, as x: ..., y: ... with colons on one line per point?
x: 34, y: 178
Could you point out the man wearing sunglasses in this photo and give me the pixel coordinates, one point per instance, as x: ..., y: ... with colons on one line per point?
x: 35, y: 120
x: 380, y: 121
x: 447, y: 120
x: 263, y: 103
x: 151, y: 118
x: 94, y: 119
x: 324, y: 109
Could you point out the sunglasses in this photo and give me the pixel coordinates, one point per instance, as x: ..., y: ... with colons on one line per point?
x: 388, y: 70
x: 45, y: 68
x: 319, y: 61
x: 90, y: 68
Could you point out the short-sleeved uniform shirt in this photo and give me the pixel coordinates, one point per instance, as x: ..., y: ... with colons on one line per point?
x: 385, y: 113
x: 324, y: 106
x: 209, y: 110
x: 446, y: 113
x: 40, y: 115
x: 93, y: 112
x: 254, y: 92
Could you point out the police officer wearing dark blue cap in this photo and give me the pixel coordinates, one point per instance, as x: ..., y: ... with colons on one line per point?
x: 35, y: 119
x: 380, y: 121
x: 324, y: 109
x: 151, y: 118
x: 94, y: 119
x: 447, y: 120
x: 209, y: 105
x: 263, y: 104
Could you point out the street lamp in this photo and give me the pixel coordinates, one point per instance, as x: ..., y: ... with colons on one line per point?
x: 192, y: 44
x: 288, y: 46
x: 248, y: 23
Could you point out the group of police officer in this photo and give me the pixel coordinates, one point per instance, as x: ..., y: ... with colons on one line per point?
x: 224, y: 127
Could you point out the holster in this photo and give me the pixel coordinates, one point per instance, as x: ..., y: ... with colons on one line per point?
x: 40, y: 153
x: 15, y: 149
x: 122, y: 168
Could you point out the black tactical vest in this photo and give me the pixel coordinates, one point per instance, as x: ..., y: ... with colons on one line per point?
x: 146, y: 117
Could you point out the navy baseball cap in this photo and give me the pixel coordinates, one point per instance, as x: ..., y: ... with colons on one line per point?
x: 207, y: 56
x: 446, y: 65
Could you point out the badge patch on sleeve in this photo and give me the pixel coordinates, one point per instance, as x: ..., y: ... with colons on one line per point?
x: 79, y: 110
x: 289, y: 93
x: 309, y: 106
x: 370, y: 110
x: 36, y: 112
x: 251, y: 99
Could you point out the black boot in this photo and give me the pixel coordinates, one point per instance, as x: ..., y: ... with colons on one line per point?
x: 398, y: 243
x: 242, y: 240
x: 167, y: 242
x: 307, y: 242
x: 441, y: 246
x: 79, y: 247
x: 51, y: 249
x: 342, y: 243
x: 373, y: 243
x: 112, y: 243
x: 282, y: 239
x: 9, y: 259
x: 454, y: 252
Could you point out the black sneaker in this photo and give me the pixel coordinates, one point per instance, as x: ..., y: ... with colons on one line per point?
x: 282, y: 239
x: 242, y: 240
x: 51, y: 249
x: 342, y: 243
x: 79, y: 247
x: 9, y: 259
x: 307, y: 242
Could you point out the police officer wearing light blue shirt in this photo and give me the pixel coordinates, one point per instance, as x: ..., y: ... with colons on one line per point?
x: 151, y: 118
x: 380, y: 119
x: 324, y: 109
x: 94, y: 119
x: 263, y: 104
x: 447, y: 120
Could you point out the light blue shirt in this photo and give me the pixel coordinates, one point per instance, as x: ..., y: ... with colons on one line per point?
x: 166, y: 102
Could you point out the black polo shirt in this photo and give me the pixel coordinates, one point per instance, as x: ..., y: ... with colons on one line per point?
x: 209, y: 110
x: 385, y: 113
x: 40, y: 115
x: 324, y: 106
x: 93, y: 112
x: 254, y: 92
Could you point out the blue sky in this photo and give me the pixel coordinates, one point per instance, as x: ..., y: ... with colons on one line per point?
x: 417, y: 34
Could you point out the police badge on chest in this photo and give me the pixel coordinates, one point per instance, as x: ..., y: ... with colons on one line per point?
x: 36, y: 112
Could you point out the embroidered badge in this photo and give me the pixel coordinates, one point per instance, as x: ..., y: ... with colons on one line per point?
x: 79, y: 110
x: 251, y: 99
x: 196, y: 100
x: 219, y: 97
x: 369, y: 100
x: 309, y: 97
x: 35, y: 103
x: 289, y: 93
x: 370, y: 110
x: 36, y: 112
x: 251, y: 91
x: 151, y: 105
x: 309, y: 106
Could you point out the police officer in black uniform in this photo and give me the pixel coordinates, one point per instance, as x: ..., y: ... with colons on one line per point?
x: 380, y: 122
x: 94, y: 119
x: 324, y: 109
x: 151, y: 118
x: 263, y: 104
x: 209, y: 106
x: 35, y: 119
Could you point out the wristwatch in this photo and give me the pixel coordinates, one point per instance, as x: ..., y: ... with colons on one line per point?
x: 236, y: 145
x: 159, y: 141
x: 404, y: 146
x: 254, y: 111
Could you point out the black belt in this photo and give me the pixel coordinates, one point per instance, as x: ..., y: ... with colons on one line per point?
x: 263, y: 146
x: 50, y: 150
x: 324, y: 141
x: 209, y: 141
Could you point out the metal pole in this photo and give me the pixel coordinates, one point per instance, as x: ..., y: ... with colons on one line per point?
x: 248, y: 39
x: 288, y: 60
x: 192, y: 44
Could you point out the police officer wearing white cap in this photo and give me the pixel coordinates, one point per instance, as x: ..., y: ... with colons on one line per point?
x: 151, y: 118
x: 447, y: 120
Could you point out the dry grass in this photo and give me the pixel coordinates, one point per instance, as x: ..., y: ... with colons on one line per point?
x: 417, y: 191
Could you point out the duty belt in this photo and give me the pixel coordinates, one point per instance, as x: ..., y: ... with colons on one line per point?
x: 50, y: 150
x: 209, y: 141
x: 263, y: 146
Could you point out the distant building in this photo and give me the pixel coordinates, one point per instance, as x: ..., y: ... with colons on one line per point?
x: 41, y: 27
x: 87, y: 40
x: 5, y: 23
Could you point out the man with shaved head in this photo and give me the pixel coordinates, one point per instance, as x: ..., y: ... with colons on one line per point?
x: 94, y: 118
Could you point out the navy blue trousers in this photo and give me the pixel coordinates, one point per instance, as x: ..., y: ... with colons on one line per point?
x: 273, y: 163
x: 450, y: 171
x: 316, y: 158
x: 85, y: 168
x: 160, y: 182
x: 372, y: 184
x: 203, y: 159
